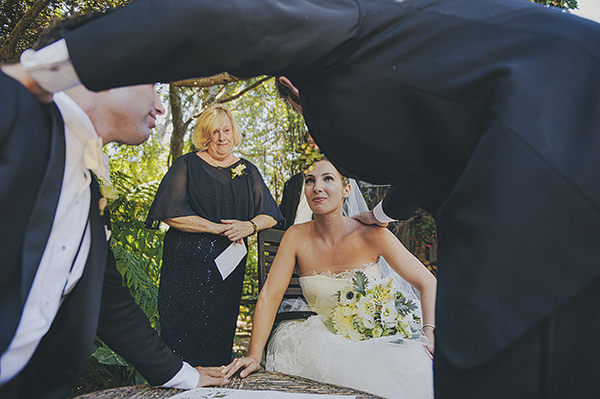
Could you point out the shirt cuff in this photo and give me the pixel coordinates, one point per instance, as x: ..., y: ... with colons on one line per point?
x: 51, y: 67
x: 186, y: 378
x: 380, y: 214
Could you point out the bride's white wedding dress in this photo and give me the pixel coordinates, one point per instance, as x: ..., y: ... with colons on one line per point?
x: 381, y: 366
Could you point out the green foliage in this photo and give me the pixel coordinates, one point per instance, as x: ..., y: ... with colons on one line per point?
x: 405, y: 306
x: 360, y: 282
x: 138, y: 250
x: 564, y: 4
x: 21, y: 21
x: 105, y: 369
x: 424, y: 235
x: 307, y: 156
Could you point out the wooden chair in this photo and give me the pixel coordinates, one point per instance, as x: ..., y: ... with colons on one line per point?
x: 268, y: 244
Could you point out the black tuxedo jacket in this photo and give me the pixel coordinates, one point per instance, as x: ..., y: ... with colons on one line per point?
x: 483, y: 112
x: 292, y: 191
x: 32, y: 150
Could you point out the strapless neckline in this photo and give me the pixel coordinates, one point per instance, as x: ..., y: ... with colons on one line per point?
x: 342, y: 275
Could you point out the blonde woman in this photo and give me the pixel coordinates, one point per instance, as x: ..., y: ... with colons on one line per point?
x: 210, y: 199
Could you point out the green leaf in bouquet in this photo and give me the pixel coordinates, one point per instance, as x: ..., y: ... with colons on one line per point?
x: 405, y: 306
x: 360, y: 282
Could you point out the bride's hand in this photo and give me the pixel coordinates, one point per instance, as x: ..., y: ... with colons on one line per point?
x: 430, y: 347
x: 249, y: 364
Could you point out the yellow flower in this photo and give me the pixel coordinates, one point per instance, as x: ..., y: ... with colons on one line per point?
x: 382, y: 294
x: 365, y: 307
x: 238, y: 170
x: 109, y: 194
x: 342, y: 323
x: 377, y: 331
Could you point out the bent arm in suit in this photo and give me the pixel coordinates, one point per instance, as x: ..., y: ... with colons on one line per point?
x: 292, y: 36
x: 125, y: 328
x: 397, y: 206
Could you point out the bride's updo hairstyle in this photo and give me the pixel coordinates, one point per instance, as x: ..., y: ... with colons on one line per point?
x: 208, y: 121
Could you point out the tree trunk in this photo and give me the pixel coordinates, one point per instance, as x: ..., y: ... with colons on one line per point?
x: 176, y: 146
x: 7, y: 50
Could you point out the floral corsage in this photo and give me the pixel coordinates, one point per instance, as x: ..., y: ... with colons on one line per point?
x: 109, y: 195
x: 362, y: 312
x: 239, y: 170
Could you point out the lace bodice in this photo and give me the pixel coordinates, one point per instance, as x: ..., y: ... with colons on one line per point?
x: 319, y: 289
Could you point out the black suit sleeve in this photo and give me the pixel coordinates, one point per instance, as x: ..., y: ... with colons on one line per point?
x: 292, y: 190
x: 139, y: 43
x: 126, y: 329
x: 397, y: 206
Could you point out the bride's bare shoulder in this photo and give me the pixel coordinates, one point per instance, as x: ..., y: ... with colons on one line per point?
x: 370, y: 232
x: 298, y: 231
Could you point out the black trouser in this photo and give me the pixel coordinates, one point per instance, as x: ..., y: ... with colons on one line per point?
x: 557, y: 359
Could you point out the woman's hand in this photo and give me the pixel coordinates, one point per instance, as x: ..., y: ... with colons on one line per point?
x: 235, y: 230
x: 250, y: 365
x: 430, y: 347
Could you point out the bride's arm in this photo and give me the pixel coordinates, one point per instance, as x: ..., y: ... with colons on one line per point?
x: 416, y: 274
x: 267, y: 304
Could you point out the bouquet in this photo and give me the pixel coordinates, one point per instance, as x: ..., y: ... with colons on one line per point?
x: 364, y: 312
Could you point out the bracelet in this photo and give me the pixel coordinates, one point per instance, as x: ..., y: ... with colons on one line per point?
x: 429, y: 325
x: 254, y: 226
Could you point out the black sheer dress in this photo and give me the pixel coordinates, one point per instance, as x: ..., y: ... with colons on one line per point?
x: 198, y: 309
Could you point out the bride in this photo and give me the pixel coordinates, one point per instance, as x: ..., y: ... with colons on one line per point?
x: 330, y: 252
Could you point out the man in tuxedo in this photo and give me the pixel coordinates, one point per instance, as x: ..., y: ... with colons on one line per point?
x: 60, y: 286
x: 483, y: 112
x: 293, y: 204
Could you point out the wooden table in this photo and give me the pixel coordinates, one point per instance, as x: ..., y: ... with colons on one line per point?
x: 262, y: 380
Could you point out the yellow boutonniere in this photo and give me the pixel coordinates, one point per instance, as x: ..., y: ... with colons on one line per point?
x: 238, y: 170
x: 109, y: 194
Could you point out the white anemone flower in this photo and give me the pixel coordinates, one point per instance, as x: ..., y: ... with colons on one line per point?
x: 347, y: 295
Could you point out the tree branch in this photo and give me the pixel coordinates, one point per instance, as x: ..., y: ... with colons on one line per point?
x: 245, y: 90
x: 7, y: 51
x: 219, y: 79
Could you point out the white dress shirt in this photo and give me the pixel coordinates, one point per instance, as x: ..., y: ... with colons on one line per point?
x: 64, y: 258
x: 68, y: 246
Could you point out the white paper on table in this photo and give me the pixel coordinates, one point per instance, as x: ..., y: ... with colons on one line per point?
x: 229, y: 259
x: 209, y: 393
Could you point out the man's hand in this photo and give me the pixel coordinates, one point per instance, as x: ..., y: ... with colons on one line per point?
x: 210, y: 376
x: 17, y: 72
x: 367, y: 217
